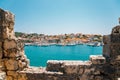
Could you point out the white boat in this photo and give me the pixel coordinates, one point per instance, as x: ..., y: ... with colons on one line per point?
x: 90, y: 44
x: 70, y: 44
x: 94, y: 44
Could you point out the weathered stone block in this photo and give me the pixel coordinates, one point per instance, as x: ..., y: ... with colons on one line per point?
x: 20, y: 45
x: 81, y: 69
x: 6, y: 25
x: 2, y: 76
x: 22, y: 65
x: 85, y: 68
x: 28, y: 63
x: 106, y: 39
x: 115, y: 38
x: 84, y: 77
x: 2, y: 66
x: 97, y: 72
x: 118, y: 58
x: 34, y: 73
x: 71, y: 69
x: 14, y: 53
x: 22, y: 76
x: 1, y: 50
x: 9, y: 44
x: 116, y: 30
x: 1, y: 54
x: 106, y: 46
x: 6, y: 17
x: 118, y: 78
x: 9, y: 78
x: 106, y: 50
x: 54, y: 65
x: 11, y: 53
x: 11, y: 64
x: 115, y: 50
x: 76, y: 67
x: 0, y: 32
x: 97, y: 59
x: 14, y: 74
x: 23, y: 58
x: 98, y: 78
x: 13, y: 48
x: 7, y: 33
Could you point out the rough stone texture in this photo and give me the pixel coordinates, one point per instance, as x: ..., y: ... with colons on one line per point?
x: 9, y: 44
x: 12, y: 58
x: 115, y: 51
x: 11, y: 64
x: 14, y: 74
x: 14, y: 65
x: 6, y: 24
x: 1, y: 54
x: 112, y: 66
x: 106, y: 46
x: 97, y: 59
x: 115, y: 32
x: 72, y: 70
x: 2, y: 76
x: 23, y: 77
x: 54, y: 65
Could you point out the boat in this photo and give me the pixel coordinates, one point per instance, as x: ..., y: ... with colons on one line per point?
x: 97, y: 44
x: 94, y: 44
x: 90, y: 44
x: 70, y: 44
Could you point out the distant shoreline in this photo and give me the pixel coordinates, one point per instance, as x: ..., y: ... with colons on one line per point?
x: 97, y: 44
x: 60, y: 40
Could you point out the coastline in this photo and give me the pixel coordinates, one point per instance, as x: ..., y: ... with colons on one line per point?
x: 93, y: 44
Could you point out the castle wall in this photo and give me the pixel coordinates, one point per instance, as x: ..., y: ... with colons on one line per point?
x: 68, y: 70
x: 12, y: 58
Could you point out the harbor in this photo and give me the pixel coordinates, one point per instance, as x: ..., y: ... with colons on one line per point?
x: 93, y: 44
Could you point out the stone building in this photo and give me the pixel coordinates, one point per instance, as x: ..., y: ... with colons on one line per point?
x: 14, y: 65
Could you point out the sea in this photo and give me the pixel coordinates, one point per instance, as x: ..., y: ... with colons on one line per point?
x: 39, y: 55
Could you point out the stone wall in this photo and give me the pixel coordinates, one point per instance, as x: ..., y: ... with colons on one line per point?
x: 112, y: 53
x: 14, y: 65
x: 12, y: 58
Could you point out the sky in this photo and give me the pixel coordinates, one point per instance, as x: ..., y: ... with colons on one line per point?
x: 64, y: 16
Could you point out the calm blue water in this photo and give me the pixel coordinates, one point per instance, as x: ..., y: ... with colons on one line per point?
x: 39, y: 55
